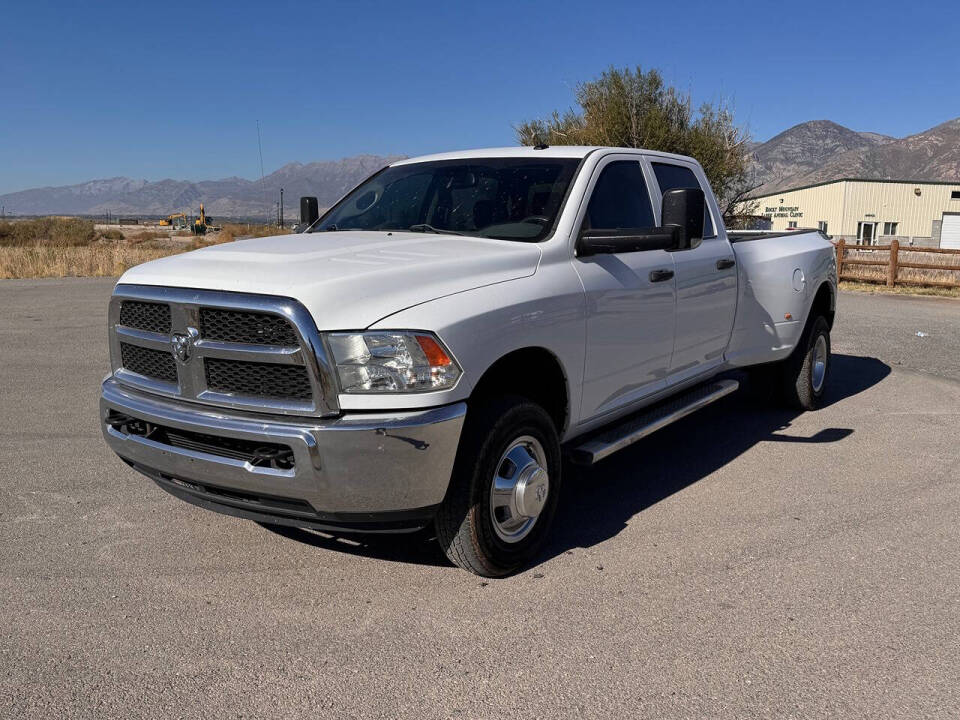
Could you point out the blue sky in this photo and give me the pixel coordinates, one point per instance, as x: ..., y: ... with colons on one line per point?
x: 155, y: 90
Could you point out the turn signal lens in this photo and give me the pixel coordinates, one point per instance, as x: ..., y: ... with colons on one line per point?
x: 435, y: 354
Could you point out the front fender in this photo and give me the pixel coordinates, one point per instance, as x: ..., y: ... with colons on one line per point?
x: 480, y: 326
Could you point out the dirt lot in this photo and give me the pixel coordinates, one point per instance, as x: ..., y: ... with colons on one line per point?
x: 746, y: 562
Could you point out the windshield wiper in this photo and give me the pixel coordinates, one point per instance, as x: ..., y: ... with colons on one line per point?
x: 312, y: 229
x: 423, y: 227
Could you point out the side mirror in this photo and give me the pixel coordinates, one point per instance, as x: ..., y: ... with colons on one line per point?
x: 309, y: 210
x: 611, y: 242
x: 683, y: 209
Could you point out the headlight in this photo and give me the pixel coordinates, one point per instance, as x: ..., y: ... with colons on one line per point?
x: 385, y: 362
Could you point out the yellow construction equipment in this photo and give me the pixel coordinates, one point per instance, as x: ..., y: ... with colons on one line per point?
x: 203, y: 223
x: 177, y: 220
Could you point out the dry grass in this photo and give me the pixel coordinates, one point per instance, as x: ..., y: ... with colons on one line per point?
x: 71, y: 261
x: 145, y: 235
x: 878, y: 289
x: 69, y: 247
x: 235, y: 231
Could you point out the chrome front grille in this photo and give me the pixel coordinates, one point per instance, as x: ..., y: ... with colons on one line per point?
x: 226, y: 349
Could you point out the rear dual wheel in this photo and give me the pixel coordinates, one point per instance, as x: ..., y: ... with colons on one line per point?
x: 504, y: 489
x: 804, y: 374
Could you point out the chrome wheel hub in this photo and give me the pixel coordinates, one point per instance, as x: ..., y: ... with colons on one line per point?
x: 519, y: 489
x: 818, y: 372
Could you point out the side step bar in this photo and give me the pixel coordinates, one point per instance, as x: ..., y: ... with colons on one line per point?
x: 649, y: 421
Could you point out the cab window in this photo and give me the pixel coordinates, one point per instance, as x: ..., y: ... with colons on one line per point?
x: 671, y: 177
x: 620, y: 199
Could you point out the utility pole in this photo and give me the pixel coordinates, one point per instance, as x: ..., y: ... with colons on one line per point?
x: 281, y: 207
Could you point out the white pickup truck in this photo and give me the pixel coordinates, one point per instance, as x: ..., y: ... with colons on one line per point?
x: 428, y: 350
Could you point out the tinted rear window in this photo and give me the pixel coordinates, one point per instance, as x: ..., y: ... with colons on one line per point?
x: 671, y: 177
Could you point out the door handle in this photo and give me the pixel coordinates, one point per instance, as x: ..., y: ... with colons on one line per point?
x: 726, y: 263
x: 660, y: 275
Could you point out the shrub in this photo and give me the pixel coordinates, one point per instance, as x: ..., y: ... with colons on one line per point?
x: 636, y: 108
x: 234, y: 231
x: 49, y: 231
x: 145, y: 235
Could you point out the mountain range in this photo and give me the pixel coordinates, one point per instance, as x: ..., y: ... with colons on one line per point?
x: 808, y: 153
x: 821, y: 150
x: 232, y: 197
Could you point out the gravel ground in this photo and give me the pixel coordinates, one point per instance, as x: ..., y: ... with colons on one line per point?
x: 746, y: 562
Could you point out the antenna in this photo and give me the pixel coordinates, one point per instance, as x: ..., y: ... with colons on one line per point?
x: 260, y: 149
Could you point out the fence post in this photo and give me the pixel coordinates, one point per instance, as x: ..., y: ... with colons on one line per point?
x: 892, y: 268
x: 840, y: 244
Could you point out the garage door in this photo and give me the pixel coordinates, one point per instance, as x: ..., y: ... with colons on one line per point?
x: 950, y: 232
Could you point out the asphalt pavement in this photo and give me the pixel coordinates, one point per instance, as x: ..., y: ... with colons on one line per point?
x: 745, y: 562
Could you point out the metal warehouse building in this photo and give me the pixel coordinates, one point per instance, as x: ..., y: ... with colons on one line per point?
x: 869, y: 212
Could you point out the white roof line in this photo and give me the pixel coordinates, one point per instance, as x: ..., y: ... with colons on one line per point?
x: 554, y: 151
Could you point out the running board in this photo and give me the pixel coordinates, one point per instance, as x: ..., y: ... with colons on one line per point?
x: 649, y: 421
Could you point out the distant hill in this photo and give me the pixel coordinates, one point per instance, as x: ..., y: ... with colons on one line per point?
x: 229, y: 197
x: 808, y: 153
x: 821, y: 150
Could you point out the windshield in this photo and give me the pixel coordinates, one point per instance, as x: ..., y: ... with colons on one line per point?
x: 504, y: 198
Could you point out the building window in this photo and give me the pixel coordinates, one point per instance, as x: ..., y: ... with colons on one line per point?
x: 822, y: 226
x: 792, y: 225
x: 890, y: 228
x: 955, y: 195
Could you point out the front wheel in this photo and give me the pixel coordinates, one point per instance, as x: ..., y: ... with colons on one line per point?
x: 805, y: 372
x: 504, y: 490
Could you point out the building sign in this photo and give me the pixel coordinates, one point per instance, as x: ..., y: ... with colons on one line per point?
x: 783, y: 211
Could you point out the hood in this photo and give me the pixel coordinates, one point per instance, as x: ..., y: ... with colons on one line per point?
x: 347, y: 280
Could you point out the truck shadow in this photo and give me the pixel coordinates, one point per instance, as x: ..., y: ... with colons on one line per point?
x: 598, y: 502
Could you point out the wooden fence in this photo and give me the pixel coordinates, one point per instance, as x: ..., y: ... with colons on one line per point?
x: 893, y: 264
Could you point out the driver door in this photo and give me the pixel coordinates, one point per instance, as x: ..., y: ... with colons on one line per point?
x: 630, y: 297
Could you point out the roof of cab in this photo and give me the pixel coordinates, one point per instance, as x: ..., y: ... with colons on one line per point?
x: 555, y: 151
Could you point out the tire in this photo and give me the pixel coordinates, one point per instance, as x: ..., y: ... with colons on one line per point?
x: 482, y: 531
x: 805, y: 373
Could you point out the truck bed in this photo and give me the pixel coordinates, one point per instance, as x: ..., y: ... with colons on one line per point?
x: 777, y: 281
x: 736, y: 236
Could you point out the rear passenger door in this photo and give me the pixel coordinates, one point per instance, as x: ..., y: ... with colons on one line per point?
x: 706, y: 279
x: 630, y: 313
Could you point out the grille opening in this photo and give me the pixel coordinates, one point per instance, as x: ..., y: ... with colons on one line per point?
x: 286, y: 382
x: 272, y: 504
x: 240, y: 326
x: 267, y: 502
x: 152, y: 317
x: 258, y: 454
x: 148, y: 362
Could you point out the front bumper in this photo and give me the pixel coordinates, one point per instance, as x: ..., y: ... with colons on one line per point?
x: 363, y: 472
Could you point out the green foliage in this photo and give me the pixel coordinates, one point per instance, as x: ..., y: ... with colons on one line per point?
x: 636, y: 109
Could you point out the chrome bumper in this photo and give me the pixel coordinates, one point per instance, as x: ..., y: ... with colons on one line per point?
x: 353, y: 470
